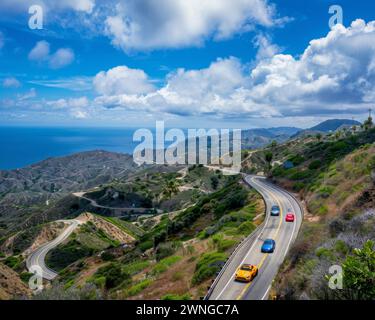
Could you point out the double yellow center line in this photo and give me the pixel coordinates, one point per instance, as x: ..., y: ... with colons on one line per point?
x: 239, y: 297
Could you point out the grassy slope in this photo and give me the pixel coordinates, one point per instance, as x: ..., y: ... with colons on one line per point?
x: 335, y: 180
x: 178, y: 257
x: 202, y: 255
x: 89, y: 239
x: 175, y: 258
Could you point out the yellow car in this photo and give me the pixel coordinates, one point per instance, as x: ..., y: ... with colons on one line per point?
x: 246, y: 273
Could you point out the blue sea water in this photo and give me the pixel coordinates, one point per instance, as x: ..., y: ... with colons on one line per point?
x: 20, y: 147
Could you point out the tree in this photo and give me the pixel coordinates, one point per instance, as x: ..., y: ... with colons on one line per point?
x: 319, y: 136
x: 338, y: 134
x: 273, y: 144
x: 170, y: 188
x: 359, y: 275
x: 214, y: 182
x: 269, y: 157
x: 368, y: 123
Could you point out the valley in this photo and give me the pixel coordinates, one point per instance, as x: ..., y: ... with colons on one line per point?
x: 118, y: 231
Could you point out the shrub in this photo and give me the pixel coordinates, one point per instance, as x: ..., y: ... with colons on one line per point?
x: 176, y: 297
x: 13, y: 262
x: 25, y: 276
x: 326, y: 191
x: 315, y: 165
x: 164, y: 264
x: 64, y: 255
x: 359, y: 273
x: 136, y: 267
x: 166, y: 249
x: 226, y: 244
x: 107, y: 256
x: 208, y: 265
x: 301, y: 175
x: 144, y: 246
x: 323, y: 210
x: 323, y: 252
x: 58, y: 292
x: 214, y: 182
x: 139, y: 287
x: 297, y: 159
x: 279, y: 172
x: 341, y: 247
x: 298, y: 186
x: 114, y: 275
x: 336, y: 226
x: 99, y: 282
x: 246, y: 228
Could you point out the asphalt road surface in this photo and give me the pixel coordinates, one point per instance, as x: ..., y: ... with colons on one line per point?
x: 37, y: 258
x: 284, y: 233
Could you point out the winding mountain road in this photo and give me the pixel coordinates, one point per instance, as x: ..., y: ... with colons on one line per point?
x: 225, y: 287
x: 94, y: 203
x: 37, y: 258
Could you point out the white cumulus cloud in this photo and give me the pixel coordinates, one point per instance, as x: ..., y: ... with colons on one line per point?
x: 122, y: 80
x: 149, y: 24
x: 40, y: 52
x: 334, y: 75
x: 81, y: 102
x: 79, y: 114
x: 23, y: 5
x: 60, y: 59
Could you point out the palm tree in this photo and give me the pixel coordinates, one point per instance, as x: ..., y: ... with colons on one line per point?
x: 368, y: 123
x: 170, y: 188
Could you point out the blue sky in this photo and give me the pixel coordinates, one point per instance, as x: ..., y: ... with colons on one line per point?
x: 238, y: 63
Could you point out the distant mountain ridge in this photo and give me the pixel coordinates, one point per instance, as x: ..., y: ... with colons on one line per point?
x: 334, y: 124
x: 261, y: 137
x: 327, y: 126
x: 257, y: 138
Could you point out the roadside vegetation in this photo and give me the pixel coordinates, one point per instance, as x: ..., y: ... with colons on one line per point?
x: 175, y: 258
x: 335, y: 176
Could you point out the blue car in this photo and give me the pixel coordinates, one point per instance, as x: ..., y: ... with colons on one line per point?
x: 268, y: 246
x: 275, y: 211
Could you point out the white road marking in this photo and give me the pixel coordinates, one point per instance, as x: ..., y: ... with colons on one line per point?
x: 266, y: 294
x: 290, y: 201
x: 248, y: 253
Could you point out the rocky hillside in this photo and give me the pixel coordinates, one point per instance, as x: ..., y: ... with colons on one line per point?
x: 335, y: 178
x: 33, y: 190
x: 50, y: 178
x: 11, y: 286
x: 258, y: 138
x: 176, y: 254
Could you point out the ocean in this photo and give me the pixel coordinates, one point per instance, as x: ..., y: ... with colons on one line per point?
x: 20, y: 147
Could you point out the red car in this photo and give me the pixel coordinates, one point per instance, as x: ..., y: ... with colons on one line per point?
x: 289, y: 217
